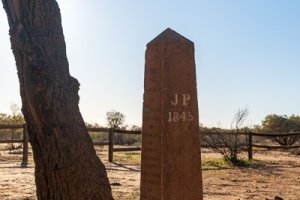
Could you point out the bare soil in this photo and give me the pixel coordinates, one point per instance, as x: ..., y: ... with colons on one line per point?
x: 276, y: 174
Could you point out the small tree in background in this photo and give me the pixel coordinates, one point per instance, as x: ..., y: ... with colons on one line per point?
x: 237, y: 125
x: 282, y: 124
x: 228, y: 143
x: 115, y: 120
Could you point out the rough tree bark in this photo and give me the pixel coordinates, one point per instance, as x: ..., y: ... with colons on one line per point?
x: 66, y: 165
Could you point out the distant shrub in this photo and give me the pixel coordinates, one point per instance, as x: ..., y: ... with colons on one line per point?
x: 127, y: 139
x: 99, y: 136
x: 228, y: 143
x: 282, y: 124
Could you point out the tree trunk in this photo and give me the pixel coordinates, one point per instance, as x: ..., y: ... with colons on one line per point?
x: 66, y: 165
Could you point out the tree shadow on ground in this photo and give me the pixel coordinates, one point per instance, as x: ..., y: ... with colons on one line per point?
x: 124, y: 168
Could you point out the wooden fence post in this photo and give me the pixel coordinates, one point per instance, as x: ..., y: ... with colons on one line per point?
x: 250, y: 150
x: 111, y: 145
x: 25, y: 147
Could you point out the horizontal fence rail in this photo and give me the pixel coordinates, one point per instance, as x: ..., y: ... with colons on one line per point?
x: 12, y: 141
x: 223, y: 132
x: 111, y: 132
x: 91, y: 129
x: 128, y: 132
x: 250, y: 136
x: 128, y: 149
x: 275, y: 147
x: 11, y: 126
x: 275, y: 134
x: 24, y: 162
x: 269, y: 135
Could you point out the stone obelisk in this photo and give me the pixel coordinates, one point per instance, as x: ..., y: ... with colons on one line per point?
x: 171, y: 159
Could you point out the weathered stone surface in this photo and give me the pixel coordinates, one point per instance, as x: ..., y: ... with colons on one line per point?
x: 171, y: 168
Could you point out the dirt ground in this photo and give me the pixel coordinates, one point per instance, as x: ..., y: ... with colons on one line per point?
x: 277, y: 174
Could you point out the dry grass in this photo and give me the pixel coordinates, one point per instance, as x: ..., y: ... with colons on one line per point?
x: 273, y: 173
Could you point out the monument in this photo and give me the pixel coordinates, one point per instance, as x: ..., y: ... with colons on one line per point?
x: 171, y: 159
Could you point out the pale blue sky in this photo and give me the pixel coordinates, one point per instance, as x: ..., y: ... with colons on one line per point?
x: 247, y: 54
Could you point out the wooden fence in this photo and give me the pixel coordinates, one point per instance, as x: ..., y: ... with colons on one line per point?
x: 110, y: 142
x: 24, y: 140
x: 269, y: 135
x: 249, y: 143
x: 112, y: 132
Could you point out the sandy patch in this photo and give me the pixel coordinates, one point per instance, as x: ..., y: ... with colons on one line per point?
x: 277, y: 174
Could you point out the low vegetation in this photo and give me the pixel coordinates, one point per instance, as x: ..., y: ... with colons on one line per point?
x: 281, y: 124
x: 127, y: 157
x: 229, y: 143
